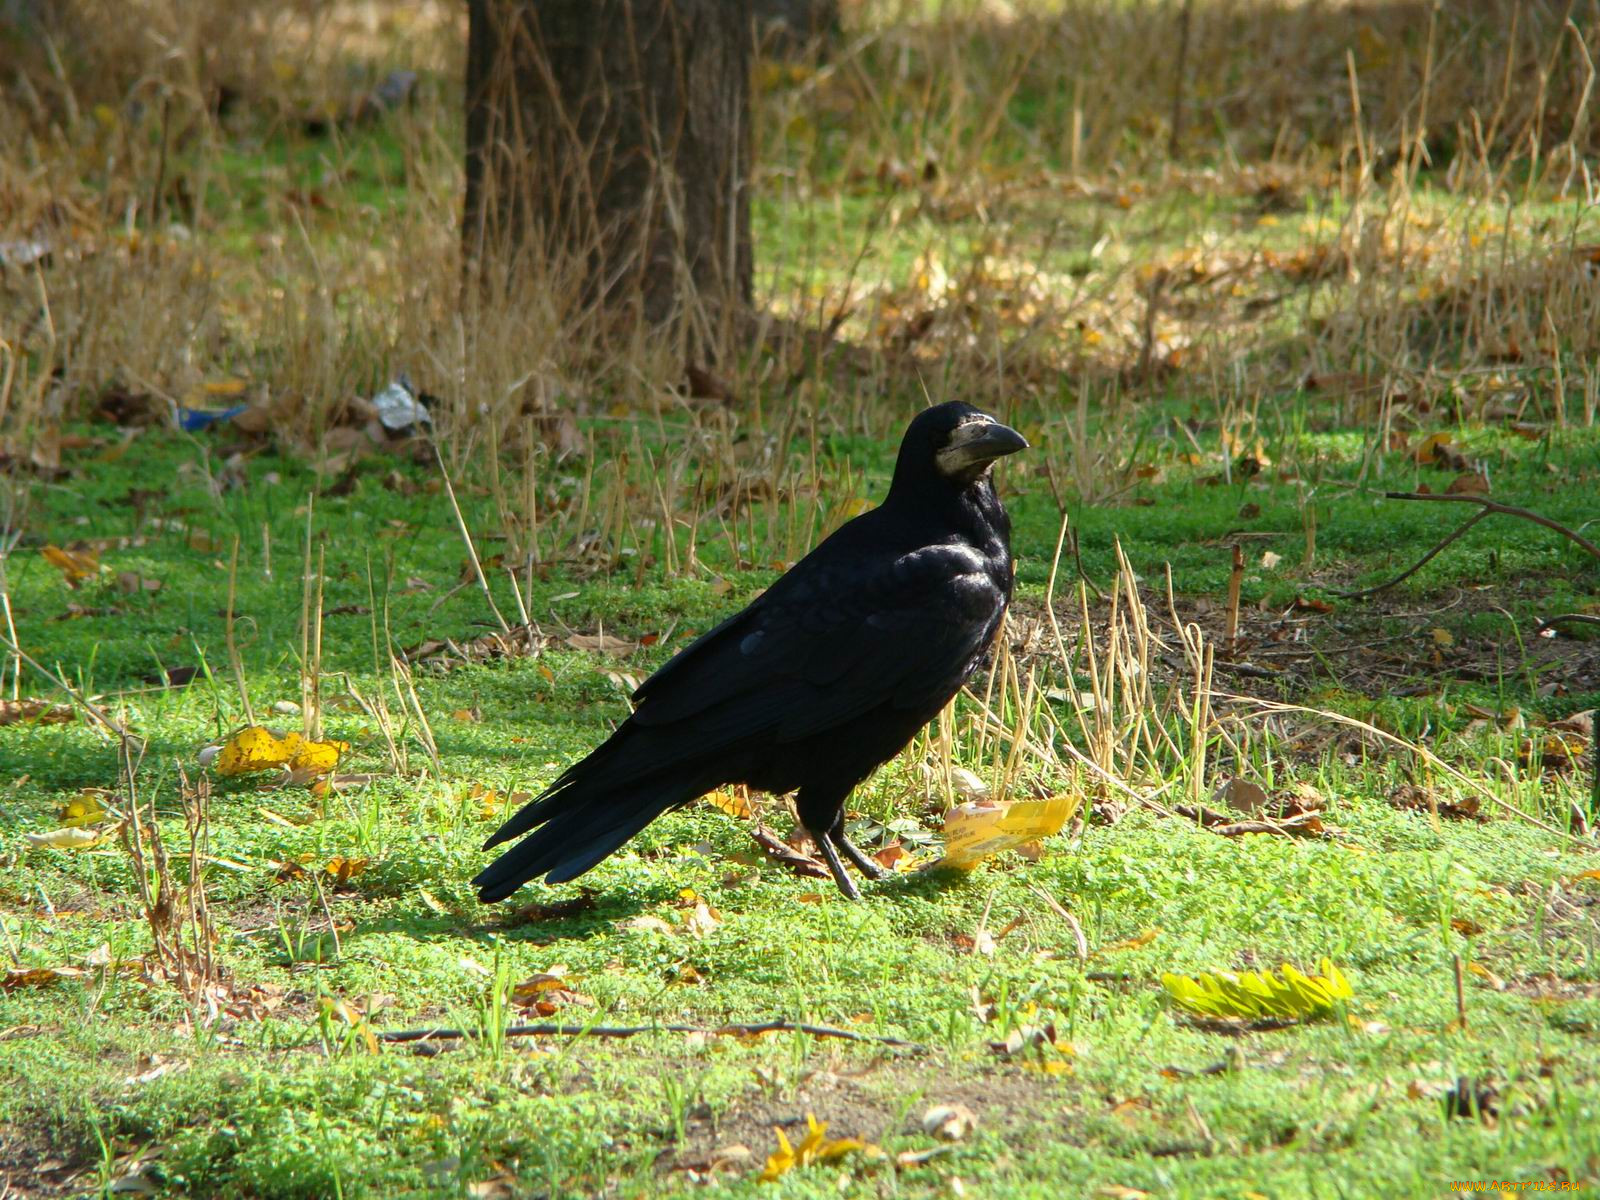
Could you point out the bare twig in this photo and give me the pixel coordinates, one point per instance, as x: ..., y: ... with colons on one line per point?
x: 1235, y: 581
x: 1489, y: 505
x: 1566, y: 619
x: 627, y: 1031
x: 1416, y: 566
x: 472, y: 551
x: 1080, y: 942
x: 93, y: 710
x: 1175, y: 131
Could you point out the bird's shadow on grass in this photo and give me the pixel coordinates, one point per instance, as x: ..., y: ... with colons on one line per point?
x: 539, y: 920
x: 593, y: 912
x: 926, y: 883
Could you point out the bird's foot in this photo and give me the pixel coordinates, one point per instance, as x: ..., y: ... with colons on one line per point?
x: 864, y: 864
x: 846, y: 884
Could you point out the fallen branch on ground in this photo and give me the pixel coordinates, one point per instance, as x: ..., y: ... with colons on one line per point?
x: 1486, y: 506
x: 1566, y: 619
x: 627, y: 1031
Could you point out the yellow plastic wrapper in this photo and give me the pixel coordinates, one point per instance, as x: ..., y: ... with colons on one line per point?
x: 974, y: 832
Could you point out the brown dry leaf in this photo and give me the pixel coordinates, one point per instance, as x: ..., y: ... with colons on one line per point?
x: 1439, y: 449
x: 39, y: 712
x: 342, y: 870
x: 949, y: 1122
x: 701, y: 919
x: 1469, y: 483
x: 135, y: 584
x: 1555, y: 755
x: 1420, y: 799
x: 1240, y: 795
x: 601, y: 643
x: 1579, y: 723
x: 896, y: 857
x: 32, y: 977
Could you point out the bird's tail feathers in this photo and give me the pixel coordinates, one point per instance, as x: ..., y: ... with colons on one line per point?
x: 577, y: 828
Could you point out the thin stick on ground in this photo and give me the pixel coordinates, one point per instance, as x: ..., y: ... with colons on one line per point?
x: 1438, y: 548
x: 93, y: 710
x: 1488, y: 505
x: 627, y: 1031
x: 472, y: 551
x: 1274, y: 707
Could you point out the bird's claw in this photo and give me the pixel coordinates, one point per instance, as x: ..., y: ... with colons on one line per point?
x: 864, y: 864
x: 840, y: 876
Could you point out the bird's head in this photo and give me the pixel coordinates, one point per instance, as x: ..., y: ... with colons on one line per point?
x: 954, y: 445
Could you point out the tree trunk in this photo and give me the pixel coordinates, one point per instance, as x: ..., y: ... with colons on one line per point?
x: 609, y: 140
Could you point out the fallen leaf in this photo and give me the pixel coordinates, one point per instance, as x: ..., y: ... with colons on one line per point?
x: 734, y: 802
x: 32, y: 977
x: 1257, y: 994
x: 1241, y: 795
x: 86, y: 808
x: 815, y: 1147
x: 70, y: 838
x: 949, y: 1122
x: 75, y: 565
x: 134, y: 583
x: 257, y: 748
x: 601, y: 643
x: 974, y: 832
x: 38, y: 712
x: 1133, y: 943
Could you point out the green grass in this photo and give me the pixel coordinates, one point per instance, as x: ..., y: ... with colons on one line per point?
x: 331, y: 264
x: 270, y: 1106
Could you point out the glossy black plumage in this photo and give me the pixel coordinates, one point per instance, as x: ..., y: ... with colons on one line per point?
x: 825, y: 676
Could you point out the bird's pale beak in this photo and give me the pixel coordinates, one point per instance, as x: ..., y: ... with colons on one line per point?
x: 977, y: 444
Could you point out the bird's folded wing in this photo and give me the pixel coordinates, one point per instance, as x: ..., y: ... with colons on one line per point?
x: 829, y: 643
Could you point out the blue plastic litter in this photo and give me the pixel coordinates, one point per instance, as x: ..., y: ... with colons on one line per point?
x: 192, y: 420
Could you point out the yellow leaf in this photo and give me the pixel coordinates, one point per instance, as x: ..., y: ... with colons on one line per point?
x: 21, y: 977
x: 257, y: 748
x: 74, y: 564
x: 734, y: 803
x: 83, y: 809
x: 813, y: 1148
x: 1253, y: 995
x: 68, y: 839
x: 1133, y: 943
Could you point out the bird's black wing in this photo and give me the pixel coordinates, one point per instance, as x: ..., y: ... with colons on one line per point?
x: 842, y: 633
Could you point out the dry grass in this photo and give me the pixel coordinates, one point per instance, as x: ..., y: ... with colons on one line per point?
x: 1386, y: 200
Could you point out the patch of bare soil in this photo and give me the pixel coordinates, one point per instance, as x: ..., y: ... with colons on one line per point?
x: 1380, y: 645
x: 882, y: 1100
x: 31, y: 1166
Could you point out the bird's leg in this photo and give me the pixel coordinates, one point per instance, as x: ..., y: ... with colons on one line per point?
x: 865, y: 865
x: 846, y: 884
